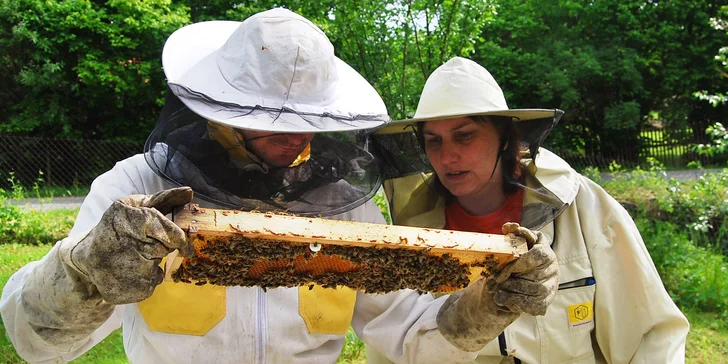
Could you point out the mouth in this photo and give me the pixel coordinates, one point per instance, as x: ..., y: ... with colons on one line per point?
x: 287, y: 147
x: 456, y: 175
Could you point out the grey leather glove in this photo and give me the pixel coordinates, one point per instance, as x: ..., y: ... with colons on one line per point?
x: 472, y: 317
x: 121, y: 255
x: 74, y: 289
x: 529, y: 284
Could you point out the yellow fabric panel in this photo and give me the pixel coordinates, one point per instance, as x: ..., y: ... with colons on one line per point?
x: 225, y: 135
x: 183, y: 308
x: 414, y: 202
x: 326, y: 310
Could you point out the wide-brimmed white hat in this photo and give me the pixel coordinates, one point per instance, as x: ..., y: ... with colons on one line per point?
x: 275, y: 71
x: 461, y: 87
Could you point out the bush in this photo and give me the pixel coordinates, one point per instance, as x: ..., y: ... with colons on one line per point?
x: 27, y: 226
x: 700, y: 206
x: 683, y: 224
x: 695, y: 277
x: 10, y: 216
x: 32, y: 227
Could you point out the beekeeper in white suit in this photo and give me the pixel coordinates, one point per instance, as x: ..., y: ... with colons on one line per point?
x: 239, y: 128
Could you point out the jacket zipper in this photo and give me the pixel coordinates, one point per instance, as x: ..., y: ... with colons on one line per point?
x: 504, y: 347
x: 262, y: 330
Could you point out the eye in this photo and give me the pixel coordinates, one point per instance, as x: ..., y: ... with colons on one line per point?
x: 464, y: 136
x: 433, y: 142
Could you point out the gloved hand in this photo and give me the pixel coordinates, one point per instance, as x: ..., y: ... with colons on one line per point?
x: 529, y: 284
x: 472, y: 317
x: 121, y: 255
x: 73, y: 290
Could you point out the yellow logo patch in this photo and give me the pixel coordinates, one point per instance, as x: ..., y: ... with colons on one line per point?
x: 581, y: 315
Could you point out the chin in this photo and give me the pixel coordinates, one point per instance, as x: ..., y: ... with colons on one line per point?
x: 459, y: 192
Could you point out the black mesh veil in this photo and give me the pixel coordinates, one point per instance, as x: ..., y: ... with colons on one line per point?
x: 339, y: 175
x: 403, y: 155
x: 404, y: 160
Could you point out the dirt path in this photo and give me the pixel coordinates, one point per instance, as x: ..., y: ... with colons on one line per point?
x: 50, y: 203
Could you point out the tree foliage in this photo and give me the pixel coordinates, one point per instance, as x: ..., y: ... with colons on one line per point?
x: 609, y: 64
x: 393, y: 44
x: 81, y: 68
x: 720, y: 97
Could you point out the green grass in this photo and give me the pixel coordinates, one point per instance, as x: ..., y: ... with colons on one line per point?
x: 708, y: 338
x: 12, y: 258
x: 60, y: 191
x: 45, y: 192
x: 38, y: 189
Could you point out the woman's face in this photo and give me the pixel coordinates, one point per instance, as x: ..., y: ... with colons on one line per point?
x: 276, y: 149
x: 463, y: 153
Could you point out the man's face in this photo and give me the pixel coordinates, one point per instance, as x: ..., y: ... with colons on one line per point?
x: 276, y: 149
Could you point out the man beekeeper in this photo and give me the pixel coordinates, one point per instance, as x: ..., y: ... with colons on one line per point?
x: 241, y: 127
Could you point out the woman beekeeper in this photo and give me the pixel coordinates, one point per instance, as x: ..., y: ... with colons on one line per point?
x: 487, y: 170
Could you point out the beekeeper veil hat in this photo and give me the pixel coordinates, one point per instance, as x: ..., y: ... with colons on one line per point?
x: 277, y: 72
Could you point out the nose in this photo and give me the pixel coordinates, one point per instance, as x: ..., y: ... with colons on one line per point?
x: 297, y: 139
x: 449, y: 154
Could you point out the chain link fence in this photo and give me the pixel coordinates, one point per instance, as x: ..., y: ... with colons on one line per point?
x: 59, y: 162
x: 66, y: 162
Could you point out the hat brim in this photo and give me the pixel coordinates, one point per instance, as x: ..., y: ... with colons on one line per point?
x: 189, y: 60
x: 401, y: 126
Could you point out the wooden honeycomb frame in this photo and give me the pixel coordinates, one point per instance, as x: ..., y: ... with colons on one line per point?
x: 272, y: 250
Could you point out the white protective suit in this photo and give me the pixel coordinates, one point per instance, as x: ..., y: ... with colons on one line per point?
x: 611, y: 306
x: 236, y: 324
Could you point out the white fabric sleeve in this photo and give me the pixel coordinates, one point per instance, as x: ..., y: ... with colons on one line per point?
x: 402, y: 326
x: 130, y: 176
x: 637, y: 321
x: 29, y: 345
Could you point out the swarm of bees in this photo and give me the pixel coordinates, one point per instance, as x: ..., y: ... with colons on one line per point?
x: 268, y: 264
x: 235, y: 248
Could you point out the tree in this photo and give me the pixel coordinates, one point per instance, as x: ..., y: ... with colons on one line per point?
x: 719, y: 97
x: 609, y: 64
x: 84, y: 68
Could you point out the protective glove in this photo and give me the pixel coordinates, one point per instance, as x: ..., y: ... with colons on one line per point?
x: 472, y: 317
x: 73, y: 290
x: 529, y: 284
x: 122, y: 253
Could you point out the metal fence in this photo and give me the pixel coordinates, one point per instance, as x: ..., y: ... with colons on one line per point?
x: 59, y: 162
x: 64, y: 162
x: 674, y: 150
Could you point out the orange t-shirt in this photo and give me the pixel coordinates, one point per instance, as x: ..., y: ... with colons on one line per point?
x: 457, y: 219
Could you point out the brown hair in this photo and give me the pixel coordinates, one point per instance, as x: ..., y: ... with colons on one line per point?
x: 508, y: 153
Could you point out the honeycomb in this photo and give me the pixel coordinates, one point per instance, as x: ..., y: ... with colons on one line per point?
x: 241, y: 261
